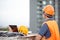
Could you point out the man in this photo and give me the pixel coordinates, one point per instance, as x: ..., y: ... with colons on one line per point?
x: 49, y: 29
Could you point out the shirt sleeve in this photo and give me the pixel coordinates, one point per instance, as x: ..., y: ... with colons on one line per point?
x: 43, y: 29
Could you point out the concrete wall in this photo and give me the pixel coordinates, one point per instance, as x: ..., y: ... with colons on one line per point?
x: 33, y: 14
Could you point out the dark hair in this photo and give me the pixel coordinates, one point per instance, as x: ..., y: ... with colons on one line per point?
x: 14, y: 28
x: 49, y: 16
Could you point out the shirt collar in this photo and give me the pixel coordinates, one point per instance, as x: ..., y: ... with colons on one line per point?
x: 49, y: 19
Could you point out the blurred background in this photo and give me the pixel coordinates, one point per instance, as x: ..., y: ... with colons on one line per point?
x: 26, y: 12
x: 14, y: 12
x: 36, y: 12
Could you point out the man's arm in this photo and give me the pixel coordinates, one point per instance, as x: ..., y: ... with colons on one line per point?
x: 38, y: 37
x: 42, y: 32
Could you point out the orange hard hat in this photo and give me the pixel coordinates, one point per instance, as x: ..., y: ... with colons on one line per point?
x: 49, y: 9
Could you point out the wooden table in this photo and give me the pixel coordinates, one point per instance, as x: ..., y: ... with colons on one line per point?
x: 28, y: 37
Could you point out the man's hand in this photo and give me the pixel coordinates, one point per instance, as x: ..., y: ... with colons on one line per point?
x: 38, y: 37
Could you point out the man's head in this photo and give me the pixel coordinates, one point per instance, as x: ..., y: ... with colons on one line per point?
x: 48, y: 11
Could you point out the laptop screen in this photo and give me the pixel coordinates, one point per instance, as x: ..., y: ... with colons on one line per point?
x: 14, y: 28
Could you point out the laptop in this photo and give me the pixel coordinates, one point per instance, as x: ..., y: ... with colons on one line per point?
x: 14, y: 28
